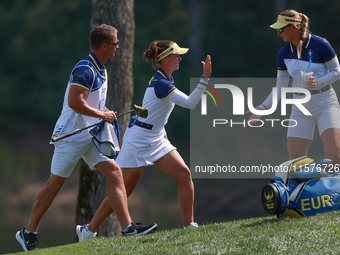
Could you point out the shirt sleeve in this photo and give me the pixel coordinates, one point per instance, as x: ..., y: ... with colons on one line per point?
x: 331, y: 61
x: 82, y: 76
x: 163, y: 89
x: 190, y: 102
x: 326, y: 51
x: 332, y: 75
x: 282, y: 81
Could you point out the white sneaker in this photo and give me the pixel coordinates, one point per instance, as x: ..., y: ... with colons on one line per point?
x: 84, y: 234
x: 28, y: 241
x: 193, y: 225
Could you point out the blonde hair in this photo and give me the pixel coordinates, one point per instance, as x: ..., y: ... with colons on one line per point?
x: 303, y: 26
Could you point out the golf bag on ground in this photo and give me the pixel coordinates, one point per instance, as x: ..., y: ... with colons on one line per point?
x: 302, y: 187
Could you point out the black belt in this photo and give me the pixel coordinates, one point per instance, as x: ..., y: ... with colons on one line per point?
x: 317, y: 91
x: 143, y: 125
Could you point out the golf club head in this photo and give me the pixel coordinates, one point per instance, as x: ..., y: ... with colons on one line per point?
x: 141, y: 111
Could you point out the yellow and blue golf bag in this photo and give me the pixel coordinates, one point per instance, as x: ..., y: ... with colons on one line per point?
x: 302, y: 187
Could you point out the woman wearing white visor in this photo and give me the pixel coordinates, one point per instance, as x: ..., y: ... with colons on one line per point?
x: 312, y: 63
x: 146, y: 142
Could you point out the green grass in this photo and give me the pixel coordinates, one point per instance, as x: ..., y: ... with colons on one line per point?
x: 319, y: 234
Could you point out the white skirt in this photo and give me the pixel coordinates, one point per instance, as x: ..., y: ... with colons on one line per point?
x: 142, y: 147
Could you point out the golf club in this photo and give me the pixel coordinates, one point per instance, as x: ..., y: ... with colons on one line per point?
x: 139, y: 111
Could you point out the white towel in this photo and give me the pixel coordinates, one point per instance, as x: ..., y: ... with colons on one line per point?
x: 105, y: 139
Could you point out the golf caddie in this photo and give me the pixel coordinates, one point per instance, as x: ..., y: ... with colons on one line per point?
x: 84, y: 105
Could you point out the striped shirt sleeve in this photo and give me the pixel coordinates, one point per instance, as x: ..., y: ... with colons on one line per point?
x: 82, y: 76
x: 164, y: 88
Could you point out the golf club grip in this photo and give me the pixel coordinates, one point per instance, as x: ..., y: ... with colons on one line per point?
x: 55, y: 139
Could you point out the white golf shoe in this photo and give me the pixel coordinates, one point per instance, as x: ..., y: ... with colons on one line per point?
x: 84, y: 234
x: 193, y: 225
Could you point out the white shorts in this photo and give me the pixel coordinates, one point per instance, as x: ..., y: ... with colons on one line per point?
x: 67, y: 154
x: 142, y: 147
x: 325, y: 111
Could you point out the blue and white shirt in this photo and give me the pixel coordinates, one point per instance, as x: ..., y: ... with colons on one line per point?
x: 159, y: 89
x: 90, y: 74
x: 314, y: 48
x: 324, y: 65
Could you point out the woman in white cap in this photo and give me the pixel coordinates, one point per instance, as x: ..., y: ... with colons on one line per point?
x: 146, y: 142
x: 312, y: 63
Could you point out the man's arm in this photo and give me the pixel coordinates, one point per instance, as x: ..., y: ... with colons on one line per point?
x: 77, y: 102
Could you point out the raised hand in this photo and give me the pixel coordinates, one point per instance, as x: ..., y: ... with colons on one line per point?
x: 207, y: 66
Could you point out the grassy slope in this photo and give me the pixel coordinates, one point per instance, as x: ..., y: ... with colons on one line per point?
x: 269, y: 235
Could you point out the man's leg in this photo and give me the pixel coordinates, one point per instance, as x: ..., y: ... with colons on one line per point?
x: 44, y: 200
x: 116, y: 191
x: 116, y: 201
x: 131, y: 177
